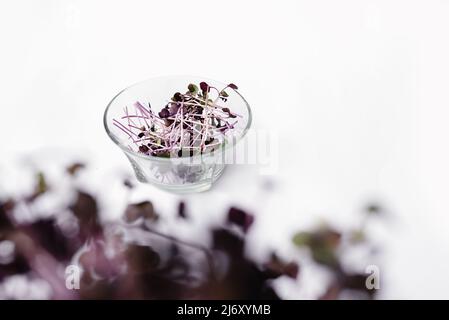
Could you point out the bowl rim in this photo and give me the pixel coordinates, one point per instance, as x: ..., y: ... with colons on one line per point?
x: 224, y: 146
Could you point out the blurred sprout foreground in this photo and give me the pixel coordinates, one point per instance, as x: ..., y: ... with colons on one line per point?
x: 70, y: 253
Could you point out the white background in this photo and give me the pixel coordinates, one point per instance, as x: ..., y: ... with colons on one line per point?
x: 356, y: 90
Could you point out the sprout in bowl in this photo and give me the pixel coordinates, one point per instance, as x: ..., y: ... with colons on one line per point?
x: 179, y: 145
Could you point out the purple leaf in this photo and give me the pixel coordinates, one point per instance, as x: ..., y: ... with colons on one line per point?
x: 240, y: 218
x: 164, y: 113
x: 140, y: 210
x: 204, y: 86
x: 143, y: 149
x: 182, y: 210
x: 75, y: 167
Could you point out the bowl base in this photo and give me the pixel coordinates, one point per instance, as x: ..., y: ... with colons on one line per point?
x: 202, y: 186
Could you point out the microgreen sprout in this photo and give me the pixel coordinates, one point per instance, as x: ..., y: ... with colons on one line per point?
x: 191, y: 123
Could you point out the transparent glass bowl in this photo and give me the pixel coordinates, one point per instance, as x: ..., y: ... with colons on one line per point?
x: 175, y: 174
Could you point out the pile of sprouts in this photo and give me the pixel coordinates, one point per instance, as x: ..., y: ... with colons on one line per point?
x: 191, y: 123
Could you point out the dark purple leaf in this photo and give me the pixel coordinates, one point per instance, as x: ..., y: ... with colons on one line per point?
x: 85, y: 210
x: 164, y: 113
x: 240, y: 218
x: 48, y: 236
x: 140, y: 210
x: 276, y: 268
x: 182, y: 210
x: 204, y: 86
x: 75, y: 167
x: 141, y: 259
x: 225, y: 240
x: 143, y: 149
x: 5, y: 221
x: 177, y: 97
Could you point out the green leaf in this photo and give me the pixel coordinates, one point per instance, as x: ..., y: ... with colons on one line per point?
x: 302, y: 239
x: 373, y: 209
x: 192, y: 88
x: 358, y: 236
x: 41, y: 186
x: 325, y: 255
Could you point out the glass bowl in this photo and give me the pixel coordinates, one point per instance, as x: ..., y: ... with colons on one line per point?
x: 184, y: 174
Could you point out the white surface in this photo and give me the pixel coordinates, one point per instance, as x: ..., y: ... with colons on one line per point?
x: 362, y: 86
